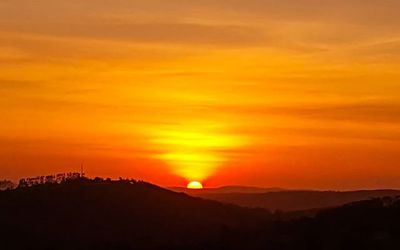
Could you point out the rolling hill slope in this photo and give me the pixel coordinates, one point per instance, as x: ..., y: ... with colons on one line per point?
x: 293, y: 200
x: 115, y: 213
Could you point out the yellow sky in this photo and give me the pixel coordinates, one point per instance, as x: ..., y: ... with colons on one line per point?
x: 291, y: 93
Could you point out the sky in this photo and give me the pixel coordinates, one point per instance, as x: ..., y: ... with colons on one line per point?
x: 289, y: 93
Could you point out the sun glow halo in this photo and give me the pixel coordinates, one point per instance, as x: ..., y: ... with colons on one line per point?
x: 195, y: 150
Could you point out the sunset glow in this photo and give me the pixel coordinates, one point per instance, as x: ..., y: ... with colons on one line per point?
x: 292, y: 93
x: 194, y: 150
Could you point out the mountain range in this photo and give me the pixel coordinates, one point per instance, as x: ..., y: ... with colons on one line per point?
x: 285, y: 200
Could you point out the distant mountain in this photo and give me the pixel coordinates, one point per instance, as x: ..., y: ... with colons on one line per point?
x: 127, y: 215
x: 226, y: 190
x: 294, y: 200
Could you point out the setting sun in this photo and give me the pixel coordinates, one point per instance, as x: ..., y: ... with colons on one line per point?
x: 195, y: 185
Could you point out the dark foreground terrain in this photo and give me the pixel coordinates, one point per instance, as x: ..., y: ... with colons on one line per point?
x: 88, y: 214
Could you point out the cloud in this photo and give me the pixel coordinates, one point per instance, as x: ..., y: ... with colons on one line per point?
x: 285, y: 24
x: 12, y: 85
x: 375, y: 112
x: 151, y: 32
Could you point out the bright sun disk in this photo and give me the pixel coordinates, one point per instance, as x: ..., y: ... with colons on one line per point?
x: 195, y: 185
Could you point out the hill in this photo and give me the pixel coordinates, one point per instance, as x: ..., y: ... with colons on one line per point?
x: 293, y: 200
x: 137, y: 215
x: 109, y: 215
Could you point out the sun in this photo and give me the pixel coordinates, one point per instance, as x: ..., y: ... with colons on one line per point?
x: 195, y: 185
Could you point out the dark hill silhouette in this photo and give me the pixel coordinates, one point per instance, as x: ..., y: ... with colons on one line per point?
x: 136, y: 215
x: 294, y: 200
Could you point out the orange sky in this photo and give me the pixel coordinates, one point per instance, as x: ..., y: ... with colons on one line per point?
x: 289, y: 93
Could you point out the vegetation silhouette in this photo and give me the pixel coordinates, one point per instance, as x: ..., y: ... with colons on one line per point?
x: 128, y: 214
x: 6, y: 184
